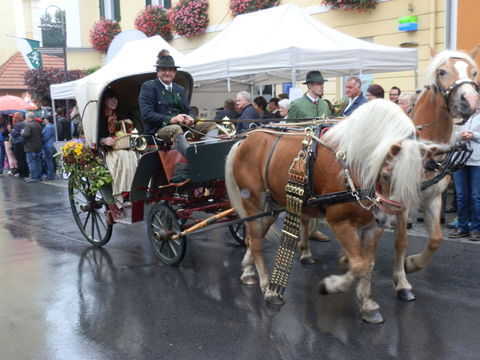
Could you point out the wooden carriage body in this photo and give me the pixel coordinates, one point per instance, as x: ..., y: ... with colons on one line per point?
x: 154, y: 184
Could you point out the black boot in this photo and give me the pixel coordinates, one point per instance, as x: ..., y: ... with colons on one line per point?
x: 182, y: 145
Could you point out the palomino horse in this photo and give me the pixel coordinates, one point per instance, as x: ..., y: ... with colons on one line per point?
x: 378, y: 140
x: 450, y: 95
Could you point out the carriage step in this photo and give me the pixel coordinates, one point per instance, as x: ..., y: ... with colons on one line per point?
x: 124, y: 220
x: 127, y: 215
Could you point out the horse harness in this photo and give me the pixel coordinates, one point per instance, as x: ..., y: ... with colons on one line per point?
x: 351, y: 194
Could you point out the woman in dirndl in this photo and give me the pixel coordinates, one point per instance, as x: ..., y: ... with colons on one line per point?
x: 121, y: 163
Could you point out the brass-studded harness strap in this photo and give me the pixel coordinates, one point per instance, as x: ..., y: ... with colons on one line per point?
x: 295, y: 189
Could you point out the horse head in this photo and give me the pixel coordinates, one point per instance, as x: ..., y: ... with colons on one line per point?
x: 454, y: 73
x: 403, y: 167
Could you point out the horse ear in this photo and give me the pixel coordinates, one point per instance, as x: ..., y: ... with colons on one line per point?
x: 433, y: 52
x: 394, y: 150
x: 473, y: 53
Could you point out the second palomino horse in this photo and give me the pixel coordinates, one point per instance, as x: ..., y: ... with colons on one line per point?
x: 450, y: 96
x: 381, y: 152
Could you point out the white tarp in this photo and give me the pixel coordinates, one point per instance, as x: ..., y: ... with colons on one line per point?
x: 281, y: 44
x: 135, y: 57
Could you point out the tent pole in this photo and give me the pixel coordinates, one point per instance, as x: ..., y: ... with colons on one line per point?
x: 294, y: 78
x: 54, y: 119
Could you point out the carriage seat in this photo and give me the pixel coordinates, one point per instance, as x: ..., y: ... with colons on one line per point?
x: 170, y: 160
x: 205, y: 161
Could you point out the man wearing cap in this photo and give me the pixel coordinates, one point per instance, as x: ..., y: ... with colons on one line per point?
x: 164, y: 106
x: 310, y: 105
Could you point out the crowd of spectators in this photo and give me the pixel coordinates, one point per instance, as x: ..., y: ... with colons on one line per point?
x: 27, y: 143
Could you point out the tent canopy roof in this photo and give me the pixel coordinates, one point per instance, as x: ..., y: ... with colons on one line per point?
x: 291, y: 41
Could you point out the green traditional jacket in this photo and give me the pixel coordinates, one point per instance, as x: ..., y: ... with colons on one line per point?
x: 304, y: 108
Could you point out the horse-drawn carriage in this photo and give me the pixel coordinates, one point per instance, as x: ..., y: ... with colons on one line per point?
x: 174, y: 203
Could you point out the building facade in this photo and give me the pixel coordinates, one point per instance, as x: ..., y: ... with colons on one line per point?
x: 438, y: 27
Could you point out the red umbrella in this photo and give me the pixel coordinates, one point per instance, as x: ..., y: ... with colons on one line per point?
x: 14, y: 103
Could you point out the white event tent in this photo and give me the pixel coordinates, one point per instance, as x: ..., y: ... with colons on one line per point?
x: 281, y: 44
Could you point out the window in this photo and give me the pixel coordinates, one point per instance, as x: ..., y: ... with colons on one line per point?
x: 110, y: 9
x: 165, y: 3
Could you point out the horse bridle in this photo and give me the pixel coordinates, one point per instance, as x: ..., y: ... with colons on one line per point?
x: 386, y: 205
x: 381, y: 202
x: 446, y: 97
x: 447, y: 92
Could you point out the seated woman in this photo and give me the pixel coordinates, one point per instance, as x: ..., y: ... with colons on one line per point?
x: 121, y: 163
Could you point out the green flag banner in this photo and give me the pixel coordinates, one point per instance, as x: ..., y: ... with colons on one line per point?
x: 28, y: 49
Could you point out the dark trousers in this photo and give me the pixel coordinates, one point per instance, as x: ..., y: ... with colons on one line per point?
x: 21, y: 159
x: 2, y: 156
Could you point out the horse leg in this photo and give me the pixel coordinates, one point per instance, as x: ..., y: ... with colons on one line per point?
x: 304, y: 243
x: 361, y: 260
x: 402, y: 286
x: 256, y: 231
x: 369, y: 307
x: 431, y: 215
x: 249, y: 275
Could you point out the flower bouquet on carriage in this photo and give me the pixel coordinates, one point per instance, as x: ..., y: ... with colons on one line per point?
x: 84, y: 167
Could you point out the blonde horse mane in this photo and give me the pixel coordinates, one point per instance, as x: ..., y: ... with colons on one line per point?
x: 430, y: 75
x: 367, y: 137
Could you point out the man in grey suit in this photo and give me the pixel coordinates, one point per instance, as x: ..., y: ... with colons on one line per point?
x: 353, y: 89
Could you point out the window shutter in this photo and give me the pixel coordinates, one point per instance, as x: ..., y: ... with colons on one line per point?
x: 102, y: 9
x: 167, y: 4
x: 116, y: 10
x: 148, y: 2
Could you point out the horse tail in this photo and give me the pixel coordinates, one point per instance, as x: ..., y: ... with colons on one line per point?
x: 233, y: 191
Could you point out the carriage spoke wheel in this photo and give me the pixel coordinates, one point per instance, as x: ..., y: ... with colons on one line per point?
x: 162, y: 223
x: 89, y: 213
x: 239, y: 232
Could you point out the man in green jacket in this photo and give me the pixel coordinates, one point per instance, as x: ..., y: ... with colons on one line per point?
x: 310, y: 105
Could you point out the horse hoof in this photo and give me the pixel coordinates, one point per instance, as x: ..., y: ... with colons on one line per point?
x: 273, y: 299
x: 373, y: 317
x: 307, y: 261
x: 250, y: 280
x: 322, y: 288
x: 406, y: 294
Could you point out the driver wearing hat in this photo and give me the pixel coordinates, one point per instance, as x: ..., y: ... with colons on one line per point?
x: 165, y: 109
